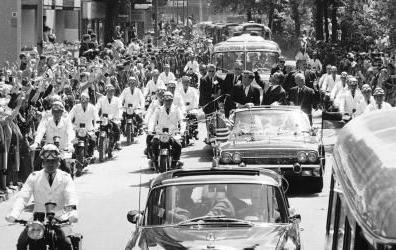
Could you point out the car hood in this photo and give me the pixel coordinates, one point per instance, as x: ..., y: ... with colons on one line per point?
x: 286, y: 142
x: 264, y: 236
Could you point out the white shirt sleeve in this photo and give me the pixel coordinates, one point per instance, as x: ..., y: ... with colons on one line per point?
x: 42, y: 127
x: 142, y: 102
x: 23, y: 196
x: 153, y: 120
x: 70, y: 192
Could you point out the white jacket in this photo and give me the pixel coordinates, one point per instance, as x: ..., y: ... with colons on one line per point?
x: 373, y: 106
x: 190, y: 97
x: 167, y: 78
x: 171, y: 121
x: 136, y: 99
x: 89, y: 117
x: 152, y: 87
x: 329, y: 82
x: 62, y: 192
x: 348, y: 103
x: 64, y: 130
x: 112, y: 109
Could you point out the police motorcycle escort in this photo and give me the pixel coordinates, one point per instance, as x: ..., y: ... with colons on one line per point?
x: 190, y: 97
x: 109, y: 132
x: 56, y: 129
x: 165, y: 145
x: 133, y: 103
x: 54, y: 208
x: 84, y: 117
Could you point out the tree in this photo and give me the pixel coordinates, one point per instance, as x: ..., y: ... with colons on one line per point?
x: 296, y: 16
x: 318, y: 12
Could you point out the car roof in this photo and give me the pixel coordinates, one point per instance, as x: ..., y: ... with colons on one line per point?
x: 366, y: 170
x: 271, y: 108
x: 218, y: 175
x: 247, y: 42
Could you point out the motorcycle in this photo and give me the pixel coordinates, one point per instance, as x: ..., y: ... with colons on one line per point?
x: 191, y: 127
x: 131, y: 129
x: 81, y: 153
x: 42, y: 230
x: 164, y: 161
x: 105, y: 138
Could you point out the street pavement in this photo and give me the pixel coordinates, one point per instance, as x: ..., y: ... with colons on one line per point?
x: 107, y: 191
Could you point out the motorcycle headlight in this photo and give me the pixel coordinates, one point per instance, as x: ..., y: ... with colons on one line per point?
x: 36, y: 230
x: 129, y: 111
x: 302, y: 157
x: 164, y: 138
x: 226, y: 158
x: 237, y: 158
x: 104, y: 121
x: 312, y: 156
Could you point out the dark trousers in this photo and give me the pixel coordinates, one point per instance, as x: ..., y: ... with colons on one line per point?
x: 116, y: 130
x: 176, y: 148
x: 138, y: 119
x: 63, y: 242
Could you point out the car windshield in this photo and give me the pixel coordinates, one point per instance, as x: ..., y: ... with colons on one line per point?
x: 269, y: 123
x: 255, y: 60
x: 238, y: 202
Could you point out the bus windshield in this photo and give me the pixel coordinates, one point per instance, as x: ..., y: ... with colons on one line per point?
x: 262, y: 61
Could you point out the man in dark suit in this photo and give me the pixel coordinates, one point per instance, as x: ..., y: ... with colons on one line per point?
x: 280, y: 67
x: 209, y: 89
x: 85, y: 43
x: 246, y: 92
x: 275, y: 92
x: 302, y: 96
x: 227, y: 85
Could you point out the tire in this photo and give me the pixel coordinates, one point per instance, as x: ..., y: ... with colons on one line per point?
x: 128, y: 132
x: 163, y: 163
x: 101, y: 149
x: 109, y: 147
x: 316, y: 184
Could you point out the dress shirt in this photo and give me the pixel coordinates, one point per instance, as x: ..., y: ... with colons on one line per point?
x: 136, y: 99
x: 112, y: 109
x: 64, y: 130
x: 189, y: 96
x: 373, y: 106
x: 193, y: 65
x: 161, y: 119
x: 329, y: 83
x: 88, y: 117
x: 336, y: 90
x: 167, y: 78
x: 62, y: 192
x: 152, y: 87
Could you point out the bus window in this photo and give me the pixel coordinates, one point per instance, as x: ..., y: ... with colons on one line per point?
x: 225, y: 61
x: 261, y: 61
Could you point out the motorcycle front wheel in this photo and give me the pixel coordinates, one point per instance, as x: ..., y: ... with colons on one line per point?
x: 163, y: 163
x: 129, y: 134
x: 79, y: 161
x: 101, y: 149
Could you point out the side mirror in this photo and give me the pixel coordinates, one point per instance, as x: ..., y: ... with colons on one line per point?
x: 133, y: 216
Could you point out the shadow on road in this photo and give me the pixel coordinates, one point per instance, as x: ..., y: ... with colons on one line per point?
x: 203, y: 154
x: 142, y: 171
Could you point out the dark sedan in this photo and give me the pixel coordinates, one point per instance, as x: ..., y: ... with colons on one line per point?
x: 216, y: 209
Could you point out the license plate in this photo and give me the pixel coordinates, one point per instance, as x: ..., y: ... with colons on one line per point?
x: 164, y: 151
x: 129, y: 121
x: 103, y: 134
x: 81, y: 143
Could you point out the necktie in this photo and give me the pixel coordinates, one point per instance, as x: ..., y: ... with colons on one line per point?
x: 51, y: 178
x: 109, y: 100
x: 299, y: 96
x: 167, y: 111
x: 57, y: 122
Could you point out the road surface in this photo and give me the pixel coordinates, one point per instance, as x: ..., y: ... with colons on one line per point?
x: 110, y: 189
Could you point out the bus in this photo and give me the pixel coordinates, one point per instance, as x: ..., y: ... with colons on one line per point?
x: 260, y: 29
x: 254, y: 52
x: 362, y: 201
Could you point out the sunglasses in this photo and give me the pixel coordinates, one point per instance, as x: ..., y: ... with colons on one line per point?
x: 211, y: 71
